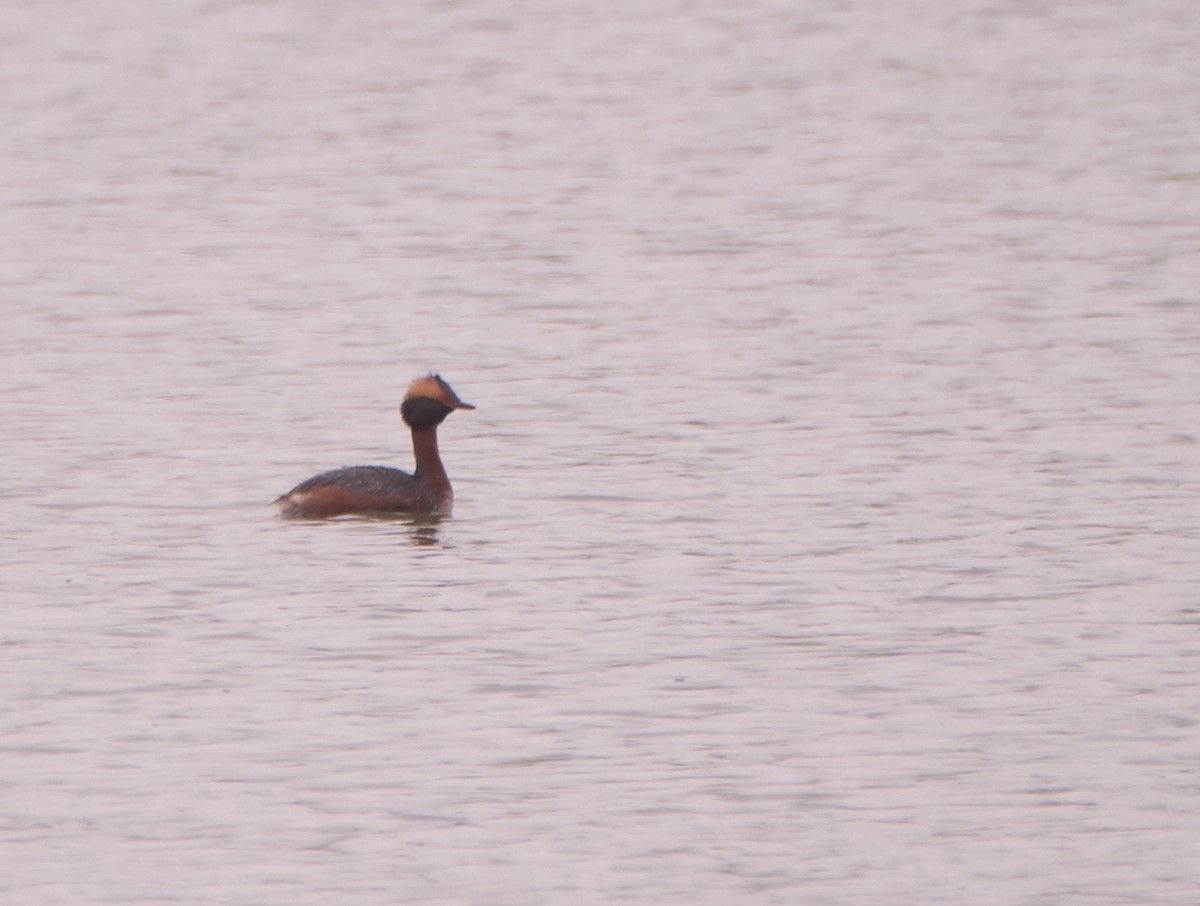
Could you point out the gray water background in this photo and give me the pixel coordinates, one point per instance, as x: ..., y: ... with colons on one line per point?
x: 827, y: 529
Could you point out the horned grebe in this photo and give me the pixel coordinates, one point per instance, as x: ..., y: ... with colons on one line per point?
x: 379, y: 489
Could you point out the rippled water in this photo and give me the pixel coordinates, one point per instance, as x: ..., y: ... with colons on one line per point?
x: 827, y: 529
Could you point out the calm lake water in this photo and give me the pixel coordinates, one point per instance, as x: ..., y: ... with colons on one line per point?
x: 827, y: 530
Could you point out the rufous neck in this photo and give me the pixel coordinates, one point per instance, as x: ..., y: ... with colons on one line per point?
x: 429, y: 463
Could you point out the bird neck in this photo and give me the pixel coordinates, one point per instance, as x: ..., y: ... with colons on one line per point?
x: 429, y: 463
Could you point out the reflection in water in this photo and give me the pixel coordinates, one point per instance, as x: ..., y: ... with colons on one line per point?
x: 423, y: 531
x: 420, y: 530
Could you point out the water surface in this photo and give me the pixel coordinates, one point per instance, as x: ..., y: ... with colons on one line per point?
x: 826, y: 532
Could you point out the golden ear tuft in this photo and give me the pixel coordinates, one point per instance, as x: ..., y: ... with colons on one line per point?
x: 428, y: 386
x: 433, y: 387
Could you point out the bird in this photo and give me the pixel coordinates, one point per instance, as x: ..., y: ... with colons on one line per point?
x: 381, y: 489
